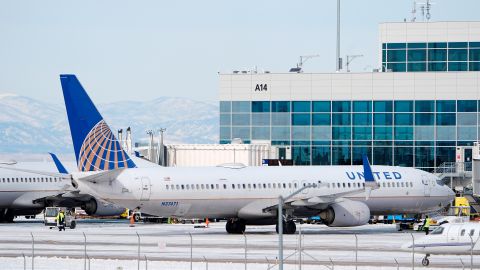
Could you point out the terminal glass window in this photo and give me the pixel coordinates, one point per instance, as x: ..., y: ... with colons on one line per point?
x: 301, y: 155
x: 301, y: 106
x: 403, y: 106
x: 300, y: 119
x: 341, y: 106
x: 241, y: 106
x: 431, y: 57
x: 341, y: 119
x: 403, y: 119
x: 467, y: 105
x: 225, y: 106
x: 424, y: 106
x: 382, y: 106
x: 321, y: 119
x: 362, y: 106
x: 419, y: 133
x: 382, y: 119
x: 446, y: 119
x: 260, y: 106
x: 321, y: 106
x: 446, y: 106
x: 362, y: 119
x: 280, y: 106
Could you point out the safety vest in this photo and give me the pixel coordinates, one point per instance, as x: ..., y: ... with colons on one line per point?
x: 60, y: 217
x: 427, y: 222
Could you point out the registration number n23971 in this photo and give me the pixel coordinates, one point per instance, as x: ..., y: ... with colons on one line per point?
x: 169, y: 204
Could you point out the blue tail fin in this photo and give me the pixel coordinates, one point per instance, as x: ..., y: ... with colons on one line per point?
x: 58, y: 164
x: 96, y: 147
x: 367, y: 170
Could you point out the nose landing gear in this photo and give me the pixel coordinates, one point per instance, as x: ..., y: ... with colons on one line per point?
x: 425, y: 260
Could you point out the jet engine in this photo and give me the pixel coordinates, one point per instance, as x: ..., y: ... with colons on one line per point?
x: 96, y: 207
x: 345, y: 214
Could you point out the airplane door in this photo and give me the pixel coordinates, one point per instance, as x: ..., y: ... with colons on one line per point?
x: 426, y: 185
x: 146, y: 189
x: 453, y: 233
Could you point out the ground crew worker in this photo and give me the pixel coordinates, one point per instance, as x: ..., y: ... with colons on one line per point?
x: 60, y: 220
x: 426, y: 224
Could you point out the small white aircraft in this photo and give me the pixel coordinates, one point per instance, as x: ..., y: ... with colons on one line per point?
x: 449, y: 238
x: 26, y: 193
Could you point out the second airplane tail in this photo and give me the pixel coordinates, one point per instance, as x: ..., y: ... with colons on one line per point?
x: 96, y: 147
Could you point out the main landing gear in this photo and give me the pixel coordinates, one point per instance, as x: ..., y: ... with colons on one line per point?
x: 289, y: 227
x: 235, y: 226
x: 425, y: 260
x: 6, y: 216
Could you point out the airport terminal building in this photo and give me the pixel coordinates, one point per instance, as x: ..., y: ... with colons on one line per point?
x: 419, y: 107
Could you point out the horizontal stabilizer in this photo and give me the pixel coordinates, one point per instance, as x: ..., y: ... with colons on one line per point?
x: 8, y: 162
x: 103, y: 176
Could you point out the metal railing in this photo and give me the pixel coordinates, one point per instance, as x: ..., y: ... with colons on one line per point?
x: 453, y: 169
x: 195, y: 251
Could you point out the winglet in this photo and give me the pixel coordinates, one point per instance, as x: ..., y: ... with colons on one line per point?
x: 370, y: 183
x: 58, y: 164
x: 367, y: 170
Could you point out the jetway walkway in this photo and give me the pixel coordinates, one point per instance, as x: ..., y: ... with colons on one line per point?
x: 454, y: 170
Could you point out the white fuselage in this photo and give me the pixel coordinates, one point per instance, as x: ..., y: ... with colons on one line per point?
x: 244, y: 191
x: 450, y: 238
x: 19, y: 190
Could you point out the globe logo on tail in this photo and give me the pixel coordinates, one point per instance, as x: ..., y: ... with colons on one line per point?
x: 102, y: 151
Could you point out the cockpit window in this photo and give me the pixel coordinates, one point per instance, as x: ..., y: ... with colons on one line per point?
x: 438, y: 230
x: 440, y: 182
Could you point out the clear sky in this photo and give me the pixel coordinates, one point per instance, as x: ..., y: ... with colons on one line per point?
x: 139, y: 50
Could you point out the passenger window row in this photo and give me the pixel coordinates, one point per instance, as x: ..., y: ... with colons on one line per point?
x: 294, y: 185
x: 30, y: 180
x: 472, y: 232
x: 397, y: 184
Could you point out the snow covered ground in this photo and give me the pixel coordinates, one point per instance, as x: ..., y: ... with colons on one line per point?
x: 114, y: 245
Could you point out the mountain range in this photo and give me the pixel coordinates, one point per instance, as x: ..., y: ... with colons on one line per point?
x: 28, y: 125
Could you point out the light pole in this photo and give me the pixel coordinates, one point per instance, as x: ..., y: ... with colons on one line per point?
x: 338, y: 61
x: 350, y: 58
x: 33, y: 251
x: 281, y: 201
x: 413, y: 251
x: 161, y: 155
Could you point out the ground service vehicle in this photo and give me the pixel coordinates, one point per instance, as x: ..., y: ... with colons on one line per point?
x: 51, y: 213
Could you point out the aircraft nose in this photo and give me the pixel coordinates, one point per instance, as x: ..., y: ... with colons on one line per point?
x: 449, y: 192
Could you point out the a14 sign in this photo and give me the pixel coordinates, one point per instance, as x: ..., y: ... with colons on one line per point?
x: 261, y: 87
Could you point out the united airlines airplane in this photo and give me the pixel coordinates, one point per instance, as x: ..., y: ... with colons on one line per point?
x: 341, y: 195
x: 26, y: 193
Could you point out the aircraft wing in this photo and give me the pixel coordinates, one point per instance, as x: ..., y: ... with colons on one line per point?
x: 322, y: 201
x: 319, y: 202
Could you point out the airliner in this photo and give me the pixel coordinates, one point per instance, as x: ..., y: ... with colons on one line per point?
x: 447, y: 239
x: 24, y: 193
x: 340, y: 195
